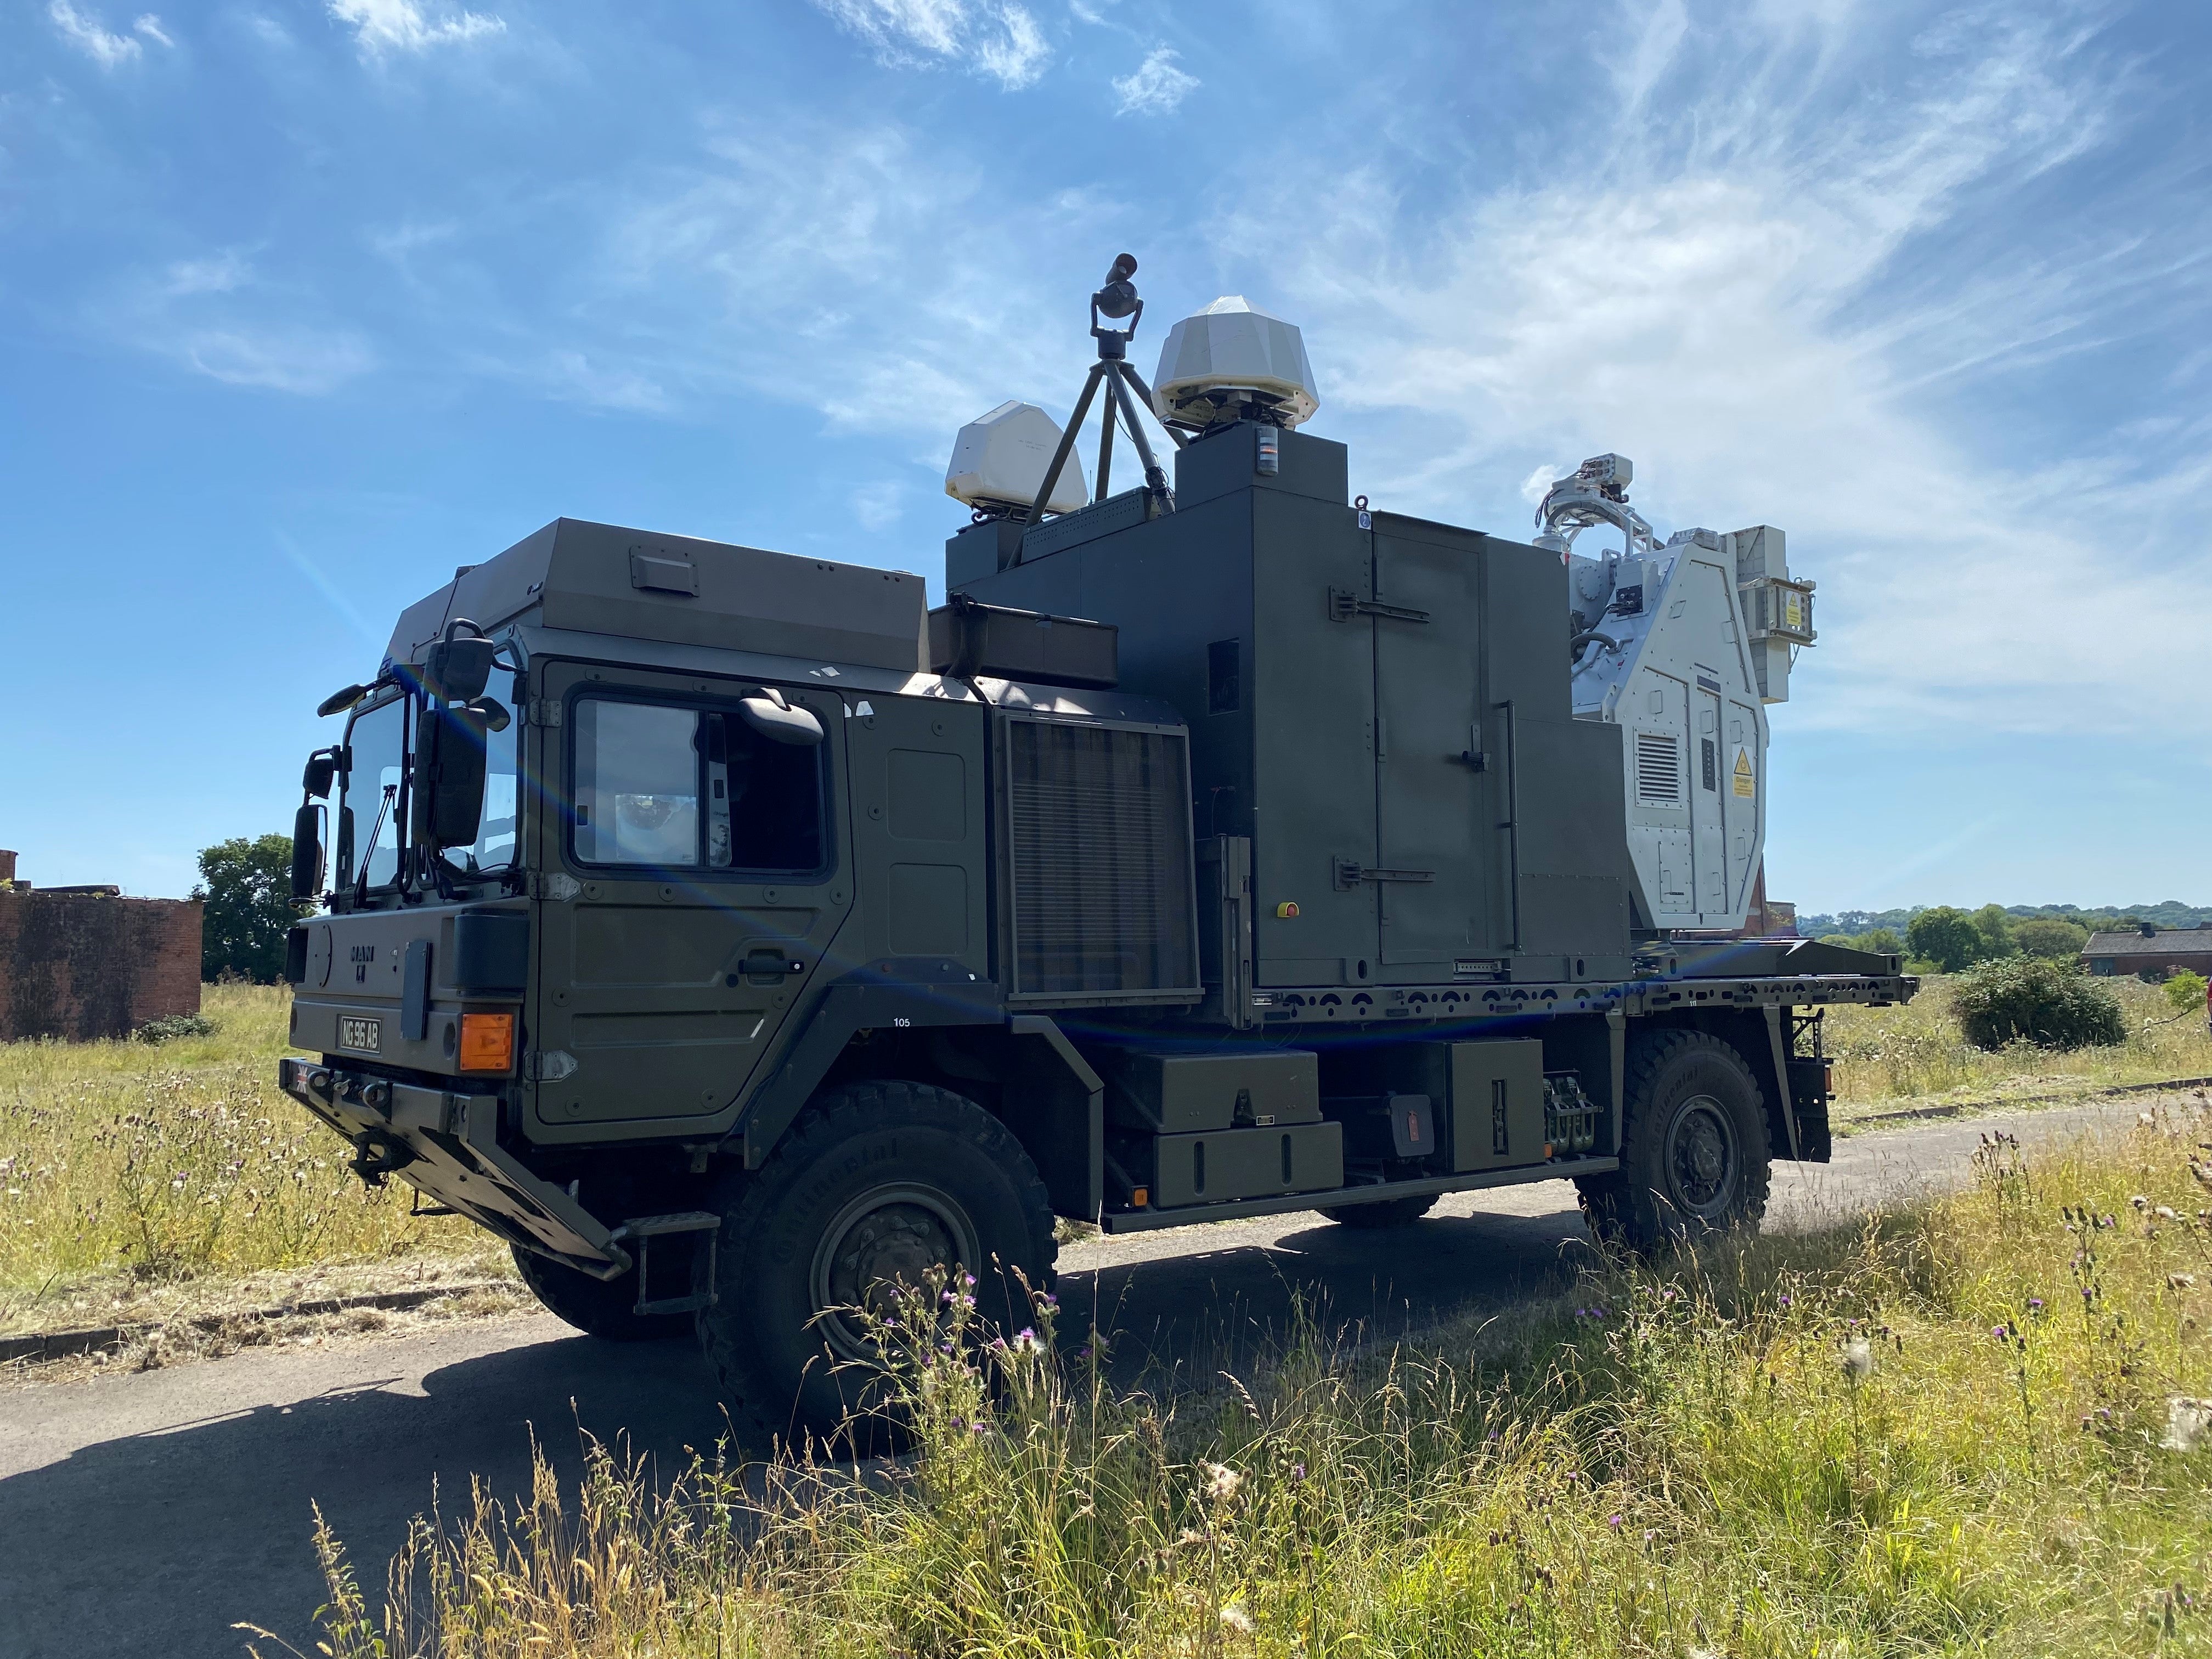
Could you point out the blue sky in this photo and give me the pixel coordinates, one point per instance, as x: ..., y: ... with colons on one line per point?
x: 303, y: 302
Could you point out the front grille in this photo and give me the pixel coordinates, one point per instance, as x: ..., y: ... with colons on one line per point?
x: 1099, y: 839
x: 1658, y: 769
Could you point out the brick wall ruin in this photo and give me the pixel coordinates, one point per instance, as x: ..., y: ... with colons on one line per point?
x: 84, y: 965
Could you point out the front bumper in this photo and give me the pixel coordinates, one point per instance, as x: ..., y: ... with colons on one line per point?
x: 446, y: 1146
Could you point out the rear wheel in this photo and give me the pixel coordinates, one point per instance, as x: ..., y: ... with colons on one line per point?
x: 1694, y: 1150
x: 1383, y: 1213
x: 875, y: 1187
x: 605, y: 1308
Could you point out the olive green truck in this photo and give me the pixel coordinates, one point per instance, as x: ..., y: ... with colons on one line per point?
x: 741, y: 939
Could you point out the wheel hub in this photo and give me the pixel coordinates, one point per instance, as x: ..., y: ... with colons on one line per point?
x: 1702, y: 1157
x: 886, y: 1244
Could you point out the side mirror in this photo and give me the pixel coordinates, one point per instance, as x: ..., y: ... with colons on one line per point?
x: 338, y: 702
x: 449, y: 777
x: 307, y: 850
x: 322, y: 767
x: 457, y: 670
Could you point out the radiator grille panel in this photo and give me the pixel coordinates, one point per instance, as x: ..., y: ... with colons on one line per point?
x: 1100, y: 844
x: 1658, y: 769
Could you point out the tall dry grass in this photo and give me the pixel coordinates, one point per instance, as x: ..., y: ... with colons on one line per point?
x: 1888, y: 1057
x: 125, y: 1165
x: 1964, y: 1428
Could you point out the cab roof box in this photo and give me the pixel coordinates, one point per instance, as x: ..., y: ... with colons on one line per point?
x: 968, y: 638
x: 605, y: 579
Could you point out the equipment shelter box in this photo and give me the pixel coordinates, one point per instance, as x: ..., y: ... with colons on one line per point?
x: 1378, y: 701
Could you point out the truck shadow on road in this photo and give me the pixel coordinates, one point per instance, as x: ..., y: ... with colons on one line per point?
x: 160, y: 1540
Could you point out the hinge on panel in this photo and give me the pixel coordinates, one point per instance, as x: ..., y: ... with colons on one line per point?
x: 545, y: 711
x: 550, y: 1066
x: 555, y: 886
x: 1345, y: 606
x: 1350, y: 873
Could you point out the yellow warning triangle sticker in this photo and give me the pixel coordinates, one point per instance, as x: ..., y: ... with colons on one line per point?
x: 1743, y: 784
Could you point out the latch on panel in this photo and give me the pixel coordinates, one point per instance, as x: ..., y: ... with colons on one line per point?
x: 1350, y: 873
x: 1345, y: 606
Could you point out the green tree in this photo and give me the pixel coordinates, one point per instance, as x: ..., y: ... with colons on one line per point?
x: 2186, y: 991
x: 1946, y: 936
x: 2049, y: 936
x: 1995, y: 927
x: 1882, y: 940
x: 246, y: 886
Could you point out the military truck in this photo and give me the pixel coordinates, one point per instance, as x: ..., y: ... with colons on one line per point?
x: 743, y: 940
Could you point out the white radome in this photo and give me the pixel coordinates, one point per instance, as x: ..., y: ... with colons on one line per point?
x: 1230, y: 347
x: 1000, y: 459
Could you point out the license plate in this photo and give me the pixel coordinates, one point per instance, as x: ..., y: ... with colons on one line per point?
x: 366, y: 1035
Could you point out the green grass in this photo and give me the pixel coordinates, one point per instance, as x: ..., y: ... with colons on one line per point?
x: 1944, y: 1431
x: 1888, y: 1058
x: 128, y: 1169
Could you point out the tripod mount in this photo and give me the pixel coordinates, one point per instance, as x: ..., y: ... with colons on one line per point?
x: 1116, y: 300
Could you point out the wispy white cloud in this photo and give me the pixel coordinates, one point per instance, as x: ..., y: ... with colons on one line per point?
x: 778, y: 265
x: 276, y: 357
x: 217, y: 274
x: 387, y: 26
x: 997, y: 39
x: 1156, y: 86
x: 102, y: 45
x: 876, y: 506
x: 216, y: 316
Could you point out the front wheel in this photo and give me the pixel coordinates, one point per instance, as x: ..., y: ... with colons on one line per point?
x: 878, y: 1189
x: 1694, y: 1151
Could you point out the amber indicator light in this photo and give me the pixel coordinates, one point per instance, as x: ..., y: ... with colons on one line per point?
x: 487, y: 1043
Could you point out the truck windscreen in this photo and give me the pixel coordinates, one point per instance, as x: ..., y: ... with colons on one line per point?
x: 371, y: 815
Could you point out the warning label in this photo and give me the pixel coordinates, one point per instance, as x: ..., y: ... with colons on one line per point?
x: 1743, y: 784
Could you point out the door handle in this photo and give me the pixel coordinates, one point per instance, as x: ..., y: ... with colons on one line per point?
x: 770, y: 964
x: 1347, y: 606
x: 1350, y: 873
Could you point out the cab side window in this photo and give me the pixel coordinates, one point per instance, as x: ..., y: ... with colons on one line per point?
x: 672, y: 788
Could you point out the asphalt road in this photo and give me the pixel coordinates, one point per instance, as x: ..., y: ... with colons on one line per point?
x: 146, y: 1514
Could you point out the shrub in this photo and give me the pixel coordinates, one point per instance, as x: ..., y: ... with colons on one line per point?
x: 170, y: 1026
x: 2034, y: 999
x: 2186, y: 991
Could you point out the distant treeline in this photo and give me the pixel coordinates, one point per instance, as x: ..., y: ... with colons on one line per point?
x: 1946, y: 938
x: 2172, y: 913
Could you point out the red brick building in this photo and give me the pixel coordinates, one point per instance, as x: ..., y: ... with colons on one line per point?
x: 83, y: 962
x: 2152, y: 952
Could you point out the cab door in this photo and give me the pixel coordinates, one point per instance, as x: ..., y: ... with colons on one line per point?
x: 692, y: 871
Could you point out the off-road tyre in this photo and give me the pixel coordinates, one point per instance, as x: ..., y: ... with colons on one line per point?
x: 932, y: 1164
x: 606, y: 1308
x: 1694, y: 1147
x: 1383, y: 1213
